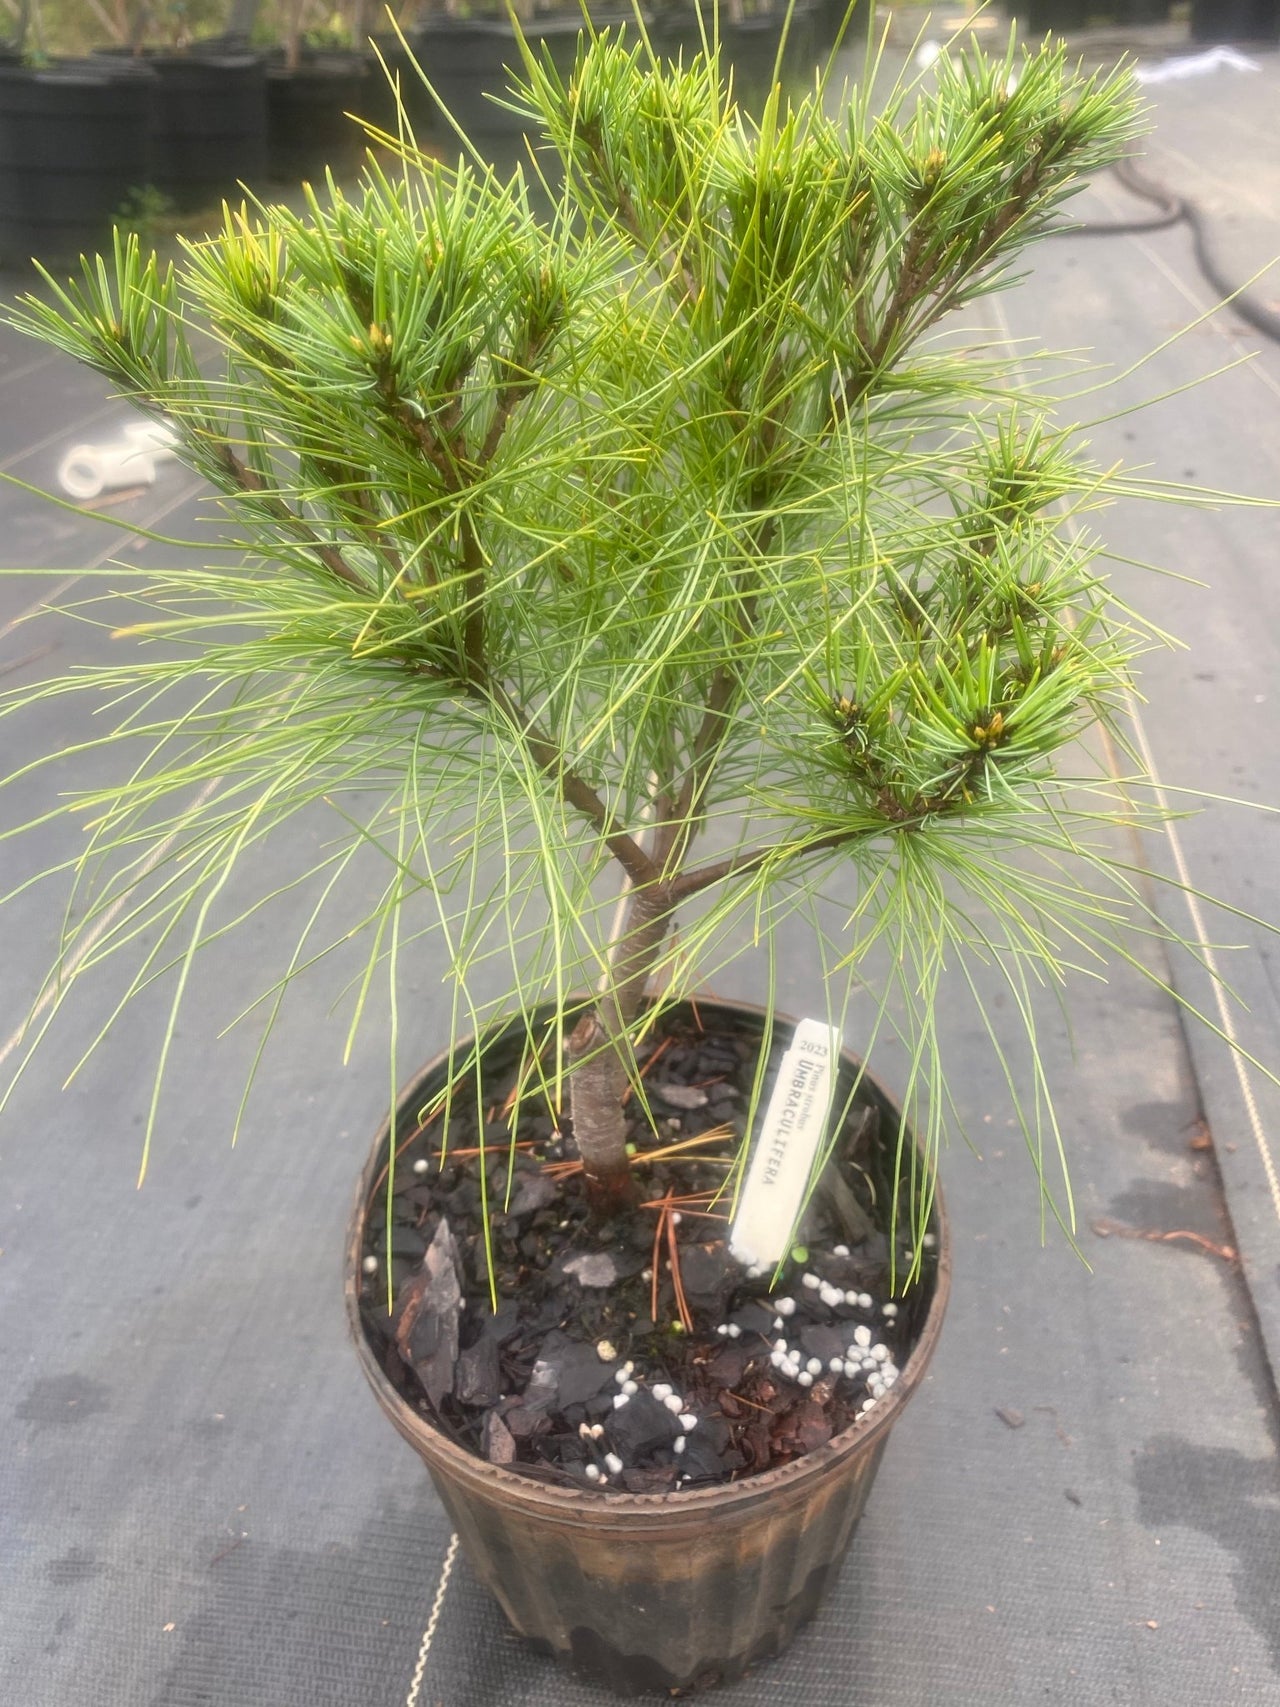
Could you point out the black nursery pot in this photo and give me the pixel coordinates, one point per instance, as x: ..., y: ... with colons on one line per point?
x: 752, y: 45
x: 652, y: 1593
x: 749, y: 46
x: 389, y: 65
x: 470, y: 61
x: 1235, y: 20
x: 1141, y: 11
x: 210, y: 121
x: 307, y: 124
x: 75, y: 139
x: 1040, y: 15
x: 829, y: 20
x: 211, y: 125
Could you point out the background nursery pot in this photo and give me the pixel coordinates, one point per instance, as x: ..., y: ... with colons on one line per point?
x: 307, y: 106
x: 471, y: 61
x: 75, y: 139
x: 210, y: 126
x: 654, y: 1592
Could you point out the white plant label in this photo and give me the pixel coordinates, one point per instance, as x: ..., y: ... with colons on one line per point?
x: 793, y: 1127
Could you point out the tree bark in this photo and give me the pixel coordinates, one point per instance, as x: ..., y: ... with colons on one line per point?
x: 598, y: 1046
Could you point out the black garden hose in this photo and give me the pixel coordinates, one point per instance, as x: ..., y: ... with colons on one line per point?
x: 1177, y: 210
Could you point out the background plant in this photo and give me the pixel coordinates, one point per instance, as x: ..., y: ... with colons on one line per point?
x: 55, y: 27
x: 78, y: 26
x: 664, y: 538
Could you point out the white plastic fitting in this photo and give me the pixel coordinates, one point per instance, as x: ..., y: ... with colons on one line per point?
x: 87, y: 471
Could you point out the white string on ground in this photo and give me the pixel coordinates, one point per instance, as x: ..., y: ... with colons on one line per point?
x: 429, y: 1634
x: 1209, y: 959
x: 1226, y: 1017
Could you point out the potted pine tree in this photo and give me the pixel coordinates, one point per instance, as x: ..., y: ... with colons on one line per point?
x: 620, y: 575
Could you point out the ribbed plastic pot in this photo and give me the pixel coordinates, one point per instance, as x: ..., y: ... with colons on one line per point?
x: 830, y: 19
x: 751, y: 46
x: 471, y: 63
x: 651, y: 1593
x: 307, y: 124
x: 75, y: 139
x: 1038, y: 15
x: 211, y: 121
x: 1141, y: 11
x: 211, y: 131
x: 390, y: 64
x: 1235, y: 20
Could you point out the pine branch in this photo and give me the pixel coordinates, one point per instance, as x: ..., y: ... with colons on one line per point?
x: 736, y: 865
x: 577, y: 792
x: 249, y: 481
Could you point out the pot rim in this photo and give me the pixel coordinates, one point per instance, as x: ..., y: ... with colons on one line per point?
x: 579, y: 1507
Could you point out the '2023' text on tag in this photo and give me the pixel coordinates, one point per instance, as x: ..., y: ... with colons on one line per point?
x: 794, y: 1125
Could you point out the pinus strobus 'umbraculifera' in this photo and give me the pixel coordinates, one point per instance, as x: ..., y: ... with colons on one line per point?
x: 683, y: 508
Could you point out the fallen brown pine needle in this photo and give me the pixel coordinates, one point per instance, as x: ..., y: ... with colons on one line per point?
x: 565, y: 1169
x: 495, y: 1149
x: 751, y: 1404
x: 713, y: 1135
x: 686, y: 1206
x: 673, y: 1259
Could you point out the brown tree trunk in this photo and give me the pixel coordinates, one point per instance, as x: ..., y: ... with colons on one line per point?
x: 598, y: 1052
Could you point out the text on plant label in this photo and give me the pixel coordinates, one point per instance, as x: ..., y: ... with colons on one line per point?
x: 786, y: 1144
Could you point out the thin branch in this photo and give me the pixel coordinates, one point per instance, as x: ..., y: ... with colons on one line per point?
x: 742, y: 864
x: 431, y: 447
x: 371, y: 527
x: 576, y: 791
x: 510, y: 396
x: 710, y: 736
x: 250, y: 481
x: 616, y: 200
x: 714, y: 727
x: 679, y: 278
x: 940, y: 298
